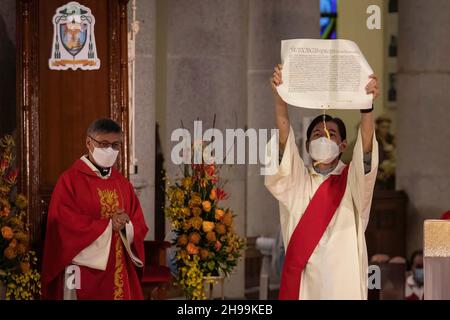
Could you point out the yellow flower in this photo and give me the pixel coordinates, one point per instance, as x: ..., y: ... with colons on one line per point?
x: 21, y: 237
x: 186, y: 183
x: 186, y: 212
x: 179, y: 195
x: 21, y: 202
x: 196, y: 211
x: 7, y: 233
x: 208, y: 226
x: 196, y: 222
x: 195, y: 200
x: 206, y: 205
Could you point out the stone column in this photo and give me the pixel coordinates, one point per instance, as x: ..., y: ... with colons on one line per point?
x: 269, y: 23
x: 423, y: 117
x: 206, y: 75
x: 145, y: 109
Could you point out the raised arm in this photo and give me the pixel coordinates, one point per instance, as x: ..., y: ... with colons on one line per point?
x: 281, y: 112
x: 367, y: 121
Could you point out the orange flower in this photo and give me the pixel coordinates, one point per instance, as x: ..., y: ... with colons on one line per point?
x: 21, y: 248
x: 25, y: 267
x: 220, y: 228
x: 208, y: 226
x: 182, y: 240
x: 13, y: 243
x: 227, y: 219
x: 7, y: 233
x: 213, y: 194
x: 206, y: 205
x: 5, y: 212
x: 5, y: 208
x: 10, y: 253
x: 187, y: 225
x: 194, y: 237
x: 219, y: 214
x: 211, y: 236
x: 192, y: 248
x: 204, y: 254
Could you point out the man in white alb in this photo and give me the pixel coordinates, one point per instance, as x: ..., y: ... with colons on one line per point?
x: 326, y: 206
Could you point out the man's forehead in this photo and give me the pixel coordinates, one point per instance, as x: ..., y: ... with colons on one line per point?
x: 330, y: 126
x: 110, y: 137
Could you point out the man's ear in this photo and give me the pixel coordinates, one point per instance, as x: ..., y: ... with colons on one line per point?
x: 343, y: 146
x: 88, y: 144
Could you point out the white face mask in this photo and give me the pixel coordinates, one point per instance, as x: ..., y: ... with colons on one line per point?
x: 323, y: 150
x: 105, y: 157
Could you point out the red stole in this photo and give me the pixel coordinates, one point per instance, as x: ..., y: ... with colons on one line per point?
x: 309, y: 231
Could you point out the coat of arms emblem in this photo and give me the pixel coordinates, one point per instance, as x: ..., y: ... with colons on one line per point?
x: 73, y: 39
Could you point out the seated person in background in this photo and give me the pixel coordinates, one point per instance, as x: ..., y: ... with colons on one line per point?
x: 398, y: 260
x: 414, y: 282
x: 379, y: 258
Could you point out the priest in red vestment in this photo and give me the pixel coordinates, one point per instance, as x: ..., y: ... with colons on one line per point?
x: 95, y: 229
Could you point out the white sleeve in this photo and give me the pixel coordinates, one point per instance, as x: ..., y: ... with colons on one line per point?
x: 127, y: 240
x: 362, y: 184
x: 96, y: 255
x: 290, y: 175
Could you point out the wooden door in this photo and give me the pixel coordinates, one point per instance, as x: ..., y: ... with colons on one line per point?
x: 54, y: 108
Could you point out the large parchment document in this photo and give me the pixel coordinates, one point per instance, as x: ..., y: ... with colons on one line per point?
x: 324, y: 74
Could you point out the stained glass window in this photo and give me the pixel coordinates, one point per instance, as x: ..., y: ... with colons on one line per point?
x: 328, y: 19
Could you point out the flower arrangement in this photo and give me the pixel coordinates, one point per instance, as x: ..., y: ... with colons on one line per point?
x: 16, y: 260
x: 206, y: 241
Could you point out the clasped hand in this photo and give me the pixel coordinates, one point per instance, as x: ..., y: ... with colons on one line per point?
x: 119, y: 220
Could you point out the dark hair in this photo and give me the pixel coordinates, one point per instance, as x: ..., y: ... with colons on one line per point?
x: 104, y: 125
x: 340, y: 124
x: 413, y: 256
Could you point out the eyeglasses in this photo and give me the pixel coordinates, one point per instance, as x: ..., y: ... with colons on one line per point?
x: 105, y: 145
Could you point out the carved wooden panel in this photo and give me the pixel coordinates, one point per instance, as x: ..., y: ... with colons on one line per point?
x: 54, y: 108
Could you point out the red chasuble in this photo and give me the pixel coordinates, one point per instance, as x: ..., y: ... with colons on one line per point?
x: 81, y: 207
x: 309, y: 231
